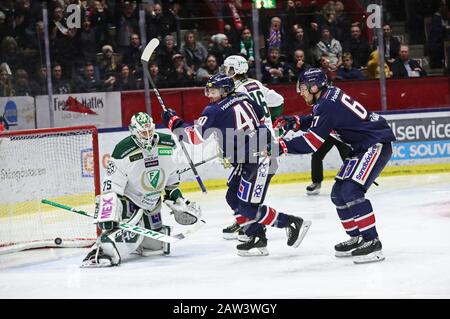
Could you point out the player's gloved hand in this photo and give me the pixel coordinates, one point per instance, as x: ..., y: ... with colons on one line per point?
x: 171, y: 119
x: 282, y: 148
x: 184, y: 211
x: 287, y: 122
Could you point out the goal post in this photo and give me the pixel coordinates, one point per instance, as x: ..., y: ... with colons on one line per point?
x: 60, y: 164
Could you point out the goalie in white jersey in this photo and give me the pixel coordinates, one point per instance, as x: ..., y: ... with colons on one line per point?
x: 236, y: 67
x: 141, y: 168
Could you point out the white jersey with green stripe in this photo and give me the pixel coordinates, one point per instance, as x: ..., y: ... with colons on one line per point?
x: 265, y: 97
x: 142, y: 175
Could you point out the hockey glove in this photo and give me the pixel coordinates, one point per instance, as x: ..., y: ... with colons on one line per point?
x: 287, y: 122
x: 171, y: 119
x: 184, y: 211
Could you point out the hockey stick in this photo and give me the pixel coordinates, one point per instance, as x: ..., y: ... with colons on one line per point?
x: 145, y: 58
x: 198, y: 164
x: 134, y: 228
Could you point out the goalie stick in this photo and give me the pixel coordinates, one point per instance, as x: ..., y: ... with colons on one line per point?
x: 134, y: 228
x: 145, y: 58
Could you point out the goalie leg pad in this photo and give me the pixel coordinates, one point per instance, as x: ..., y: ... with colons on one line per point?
x: 97, y: 259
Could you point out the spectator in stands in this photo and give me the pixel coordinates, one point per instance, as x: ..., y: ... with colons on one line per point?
x: 303, y: 16
x: 373, y: 69
x: 125, y: 81
x: 347, y: 71
x: 220, y: 47
x: 391, y: 45
x: 331, y: 47
x: 182, y: 75
x: 6, y: 87
x: 157, y: 25
x: 343, y: 22
x: 165, y: 54
x: 159, y: 79
x: 275, y: 36
x: 59, y: 84
x: 11, y: 54
x: 101, y: 20
x: 132, y: 57
x: 404, y: 67
x: 247, y: 47
x: 204, y: 73
x: 298, y: 66
x: 233, y: 22
x: 88, y: 41
x: 39, y: 84
x: 64, y: 45
x: 274, y: 70
x: 358, y: 47
x: 298, y: 42
x: 108, y: 62
x: 436, y: 37
x: 325, y: 66
x: 5, y: 28
x: 127, y: 24
x: 22, y: 84
x: 88, y: 82
x: 193, y: 51
x: 171, y: 16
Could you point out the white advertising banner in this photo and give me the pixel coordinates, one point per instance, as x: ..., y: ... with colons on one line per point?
x: 19, y: 112
x: 102, y: 109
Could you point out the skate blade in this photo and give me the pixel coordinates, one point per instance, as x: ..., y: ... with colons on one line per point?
x: 370, y: 258
x: 254, y: 252
x: 314, y: 192
x: 102, y: 264
x: 228, y: 236
x: 303, y: 230
x: 343, y: 254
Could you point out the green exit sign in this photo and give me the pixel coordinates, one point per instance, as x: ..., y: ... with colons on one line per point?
x: 265, y: 4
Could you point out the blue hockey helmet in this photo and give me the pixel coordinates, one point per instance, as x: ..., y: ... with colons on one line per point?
x: 220, y: 81
x: 311, y: 77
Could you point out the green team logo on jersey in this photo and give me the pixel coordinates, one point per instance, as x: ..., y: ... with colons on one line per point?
x: 152, y: 180
x: 153, y: 177
x: 165, y: 151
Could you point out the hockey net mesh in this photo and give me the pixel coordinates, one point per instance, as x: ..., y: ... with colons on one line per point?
x: 55, y: 165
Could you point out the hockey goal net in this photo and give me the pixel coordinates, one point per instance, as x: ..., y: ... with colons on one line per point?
x: 59, y: 164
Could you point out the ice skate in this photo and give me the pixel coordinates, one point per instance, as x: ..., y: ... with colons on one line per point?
x: 231, y: 232
x: 296, y: 230
x: 242, y: 237
x: 345, y: 248
x: 369, y: 251
x: 256, y: 246
x: 313, y: 189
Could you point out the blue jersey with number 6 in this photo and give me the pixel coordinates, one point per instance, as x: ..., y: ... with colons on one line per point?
x: 354, y: 125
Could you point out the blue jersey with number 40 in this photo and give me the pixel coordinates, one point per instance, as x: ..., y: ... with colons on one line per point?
x: 238, y: 122
x: 338, y: 112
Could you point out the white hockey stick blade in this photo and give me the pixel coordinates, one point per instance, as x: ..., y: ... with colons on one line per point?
x: 160, y: 236
x: 191, y: 230
x: 149, y: 49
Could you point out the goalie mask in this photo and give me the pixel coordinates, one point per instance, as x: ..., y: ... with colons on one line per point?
x: 142, y: 130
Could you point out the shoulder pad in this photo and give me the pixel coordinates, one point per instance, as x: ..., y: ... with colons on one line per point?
x: 124, y: 148
x: 165, y: 140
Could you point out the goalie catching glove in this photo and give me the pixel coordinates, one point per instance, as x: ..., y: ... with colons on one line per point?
x: 184, y: 211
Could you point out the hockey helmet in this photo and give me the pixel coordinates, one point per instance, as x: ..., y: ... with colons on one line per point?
x: 220, y: 81
x: 311, y: 77
x: 238, y: 63
x: 142, y: 130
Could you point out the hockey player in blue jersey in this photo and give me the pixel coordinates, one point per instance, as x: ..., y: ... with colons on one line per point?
x: 370, y: 139
x: 239, y: 123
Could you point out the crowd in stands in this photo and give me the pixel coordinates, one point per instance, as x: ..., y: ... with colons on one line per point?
x: 104, y: 53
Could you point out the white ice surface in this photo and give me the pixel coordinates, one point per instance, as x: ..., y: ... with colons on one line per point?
x: 413, y: 221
